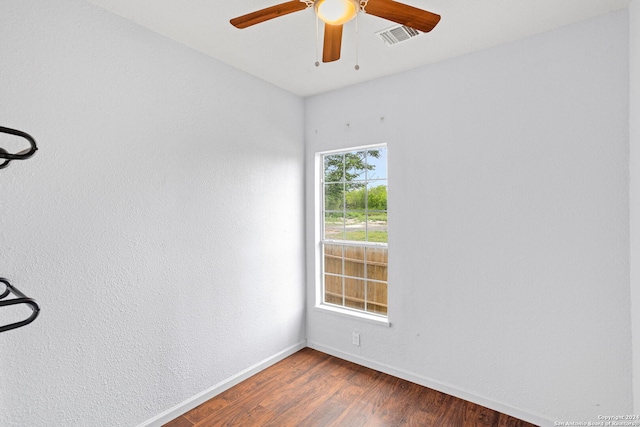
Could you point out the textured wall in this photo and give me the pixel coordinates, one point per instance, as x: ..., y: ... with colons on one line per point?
x: 159, y: 226
x: 508, y: 223
x: 634, y: 142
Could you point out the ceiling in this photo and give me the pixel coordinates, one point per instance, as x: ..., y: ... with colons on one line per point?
x: 282, y: 51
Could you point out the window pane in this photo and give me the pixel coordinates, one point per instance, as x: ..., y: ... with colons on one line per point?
x: 354, y: 293
x: 333, y: 289
x: 377, y: 227
x: 377, y: 262
x: 377, y: 195
x: 333, y: 226
x: 377, y: 161
x: 355, y: 166
x: 354, y: 261
x: 333, y: 259
x: 333, y: 197
x: 355, y: 226
x: 377, y: 297
x: 355, y: 196
x: 334, y: 168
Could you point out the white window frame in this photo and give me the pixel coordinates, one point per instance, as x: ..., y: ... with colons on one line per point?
x: 320, y: 241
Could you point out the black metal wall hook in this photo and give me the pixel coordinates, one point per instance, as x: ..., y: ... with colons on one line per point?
x: 21, y: 155
x: 21, y: 299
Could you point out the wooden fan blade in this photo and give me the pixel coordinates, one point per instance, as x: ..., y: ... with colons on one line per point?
x: 403, y: 14
x: 332, y: 43
x: 262, y: 15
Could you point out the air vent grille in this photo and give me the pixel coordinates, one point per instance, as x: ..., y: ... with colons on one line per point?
x: 397, y: 34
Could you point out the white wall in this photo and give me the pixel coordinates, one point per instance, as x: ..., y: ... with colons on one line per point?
x: 159, y: 226
x: 634, y: 141
x: 509, y: 223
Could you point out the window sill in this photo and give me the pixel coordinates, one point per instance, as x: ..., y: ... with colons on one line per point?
x: 351, y: 314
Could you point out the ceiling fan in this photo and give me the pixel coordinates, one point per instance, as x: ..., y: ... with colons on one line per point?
x: 335, y: 13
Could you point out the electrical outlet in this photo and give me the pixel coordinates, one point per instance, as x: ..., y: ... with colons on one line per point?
x: 355, y: 339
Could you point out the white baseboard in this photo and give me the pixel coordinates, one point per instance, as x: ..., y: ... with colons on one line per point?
x: 202, y: 397
x: 533, y: 418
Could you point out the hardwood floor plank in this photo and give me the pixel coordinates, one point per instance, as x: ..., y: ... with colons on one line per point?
x: 310, y: 394
x: 314, y: 389
x: 507, y: 421
x: 243, y: 403
x: 179, y: 422
x: 293, y: 413
x: 419, y: 418
x: 326, y: 414
x: 365, y: 410
x: 256, y: 416
x: 306, y: 363
x: 479, y: 416
x: 287, y: 369
x: 201, y: 412
x: 395, y: 409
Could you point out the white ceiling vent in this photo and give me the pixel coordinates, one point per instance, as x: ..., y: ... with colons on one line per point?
x: 397, y: 34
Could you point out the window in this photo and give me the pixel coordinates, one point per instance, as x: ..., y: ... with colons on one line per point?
x: 354, y: 229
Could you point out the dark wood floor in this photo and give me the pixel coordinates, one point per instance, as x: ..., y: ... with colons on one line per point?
x: 314, y: 389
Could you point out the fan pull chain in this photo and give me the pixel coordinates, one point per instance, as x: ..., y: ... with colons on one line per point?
x: 357, y: 67
x: 317, y: 41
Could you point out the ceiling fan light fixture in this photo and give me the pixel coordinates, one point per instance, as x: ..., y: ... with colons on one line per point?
x: 336, y: 12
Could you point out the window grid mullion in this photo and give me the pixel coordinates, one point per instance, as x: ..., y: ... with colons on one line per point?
x: 366, y: 199
x: 344, y: 296
x: 365, y: 280
x: 357, y: 278
x: 354, y: 243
